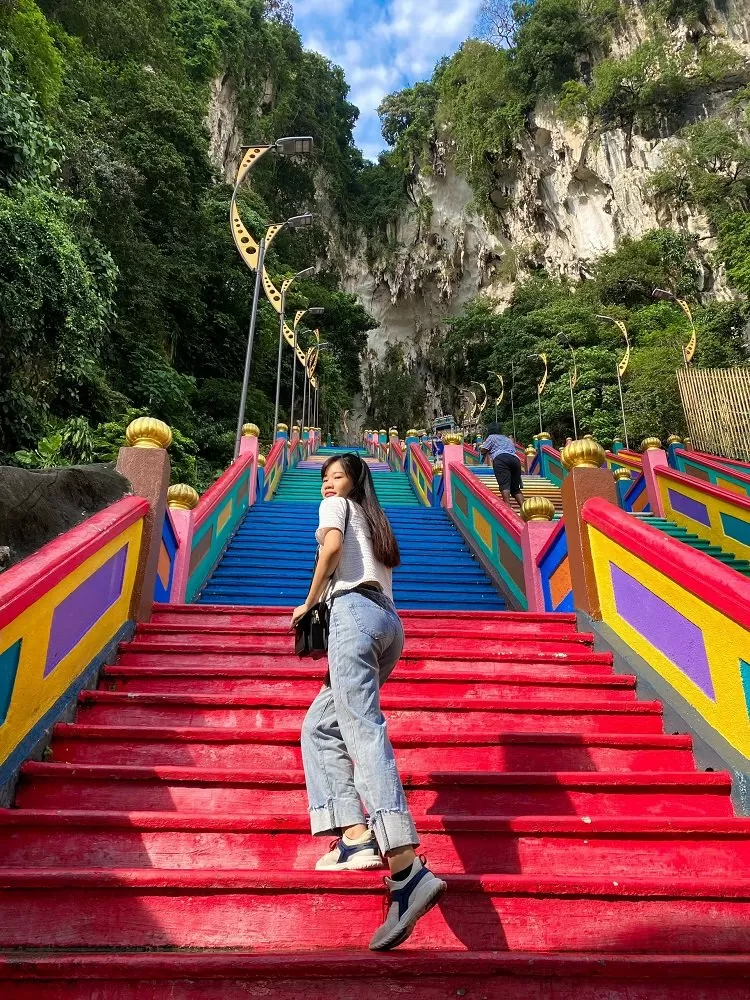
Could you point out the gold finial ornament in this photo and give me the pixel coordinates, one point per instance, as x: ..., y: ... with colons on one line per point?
x: 585, y: 454
x: 650, y: 444
x: 282, y: 427
x: 531, y: 450
x: 589, y: 437
x: 544, y: 436
x: 453, y: 437
x: 621, y: 474
x: 182, y: 497
x: 148, y: 432
x: 674, y: 439
x: 261, y: 461
x: 411, y: 433
x: 537, y: 509
x: 382, y: 431
x: 250, y: 430
x: 688, y: 444
x: 393, y: 432
x: 437, y: 468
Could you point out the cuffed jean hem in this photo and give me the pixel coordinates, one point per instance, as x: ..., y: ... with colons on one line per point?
x: 336, y: 815
x: 393, y: 829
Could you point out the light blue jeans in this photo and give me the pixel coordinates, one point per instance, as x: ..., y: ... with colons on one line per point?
x: 346, y: 751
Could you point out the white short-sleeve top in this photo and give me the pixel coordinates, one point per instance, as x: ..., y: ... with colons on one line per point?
x: 357, y: 563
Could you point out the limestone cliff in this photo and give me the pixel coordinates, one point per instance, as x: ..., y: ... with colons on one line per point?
x: 566, y: 196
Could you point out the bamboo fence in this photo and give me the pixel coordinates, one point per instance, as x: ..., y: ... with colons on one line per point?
x: 717, y: 409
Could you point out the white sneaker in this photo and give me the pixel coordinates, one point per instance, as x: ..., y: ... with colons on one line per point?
x: 407, y: 902
x: 355, y: 857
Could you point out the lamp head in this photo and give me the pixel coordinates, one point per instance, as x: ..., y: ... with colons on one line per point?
x: 663, y: 295
x: 300, y: 221
x: 308, y: 271
x: 295, y: 145
x: 315, y: 311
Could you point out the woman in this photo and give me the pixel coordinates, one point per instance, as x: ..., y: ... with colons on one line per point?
x: 345, y: 722
x: 505, y: 463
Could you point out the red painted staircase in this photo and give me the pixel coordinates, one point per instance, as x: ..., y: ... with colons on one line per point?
x: 164, y: 851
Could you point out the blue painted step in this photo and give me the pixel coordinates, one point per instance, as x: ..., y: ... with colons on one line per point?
x: 269, y: 560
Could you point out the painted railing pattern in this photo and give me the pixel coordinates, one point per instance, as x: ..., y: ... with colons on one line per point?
x: 554, y: 571
x: 62, y: 611
x: 551, y: 465
x: 168, y: 564
x: 216, y: 517
x: 420, y: 475
x: 396, y: 456
x: 686, y: 614
x: 714, y: 471
x: 274, y: 468
x: 472, y: 455
x: 714, y: 514
x: 491, y: 529
x: 635, y: 498
x: 623, y: 459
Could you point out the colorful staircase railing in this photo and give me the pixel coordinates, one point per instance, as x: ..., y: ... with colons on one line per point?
x: 62, y: 612
x: 492, y: 530
x: 426, y: 483
x: 715, y: 471
x: 712, y: 513
x: 684, y: 613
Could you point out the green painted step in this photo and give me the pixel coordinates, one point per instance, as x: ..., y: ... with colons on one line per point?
x: 681, y: 534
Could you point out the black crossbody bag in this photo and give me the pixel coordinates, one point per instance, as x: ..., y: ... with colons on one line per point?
x: 311, y: 634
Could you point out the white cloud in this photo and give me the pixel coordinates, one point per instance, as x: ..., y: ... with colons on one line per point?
x: 383, y: 45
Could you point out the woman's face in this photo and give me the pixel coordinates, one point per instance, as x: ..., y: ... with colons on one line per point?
x: 336, y: 483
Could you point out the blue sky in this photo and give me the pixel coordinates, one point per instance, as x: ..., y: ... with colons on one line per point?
x: 383, y: 45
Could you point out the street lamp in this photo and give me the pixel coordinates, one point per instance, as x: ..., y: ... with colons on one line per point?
x: 316, y: 386
x: 295, y: 222
x: 286, y: 285
x: 688, y: 352
x: 541, y: 386
x: 573, y: 379
x: 622, y: 367
x: 313, y: 311
x: 311, y: 361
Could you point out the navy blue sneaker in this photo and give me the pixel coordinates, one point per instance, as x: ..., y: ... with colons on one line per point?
x: 358, y: 857
x: 405, y: 903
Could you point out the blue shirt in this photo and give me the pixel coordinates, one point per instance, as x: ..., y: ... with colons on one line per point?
x: 498, y: 444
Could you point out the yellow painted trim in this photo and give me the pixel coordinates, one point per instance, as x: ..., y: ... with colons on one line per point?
x: 726, y: 642
x: 33, y: 694
x: 482, y: 527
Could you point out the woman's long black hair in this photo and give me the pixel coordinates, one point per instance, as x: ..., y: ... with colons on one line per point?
x: 384, y: 544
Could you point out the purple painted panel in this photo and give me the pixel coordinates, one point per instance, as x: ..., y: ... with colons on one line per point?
x: 675, y: 636
x: 693, y: 509
x: 82, y: 609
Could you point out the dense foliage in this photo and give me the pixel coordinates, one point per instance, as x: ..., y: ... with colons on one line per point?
x: 546, y: 316
x: 120, y: 288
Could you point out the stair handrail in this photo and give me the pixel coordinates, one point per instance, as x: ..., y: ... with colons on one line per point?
x: 396, y: 455
x: 552, y: 466
x: 548, y: 585
x: 274, y: 468
x: 686, y: 615
x: 63, y: 610
x: 714, y: 514
x: 712, y: 467
x: 492, y: 530
x: 421, y: 475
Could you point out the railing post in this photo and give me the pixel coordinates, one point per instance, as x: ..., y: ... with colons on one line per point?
x: 585, y: 479
x: 249, y: 447
x: 674, y: 441
x: 623, y: 482
x: 182, y: 501
x: 411, y: 438
x: 654, y: 457
x: 145, y: 464
x: 453, y: 454
x: 537, y: 513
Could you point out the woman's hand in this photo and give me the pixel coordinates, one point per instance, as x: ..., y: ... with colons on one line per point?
x: 297, y: 615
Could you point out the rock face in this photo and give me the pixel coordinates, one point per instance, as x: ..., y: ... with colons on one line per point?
x: 38, y: 505
x: 565, y: 199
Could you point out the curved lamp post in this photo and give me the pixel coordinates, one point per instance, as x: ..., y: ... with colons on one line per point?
x: 573, y: 379
x: 299, y: 354
x: 541, y: 387
x: 286, y: 285
x: 622, y: 367
x: 311, y: 363
x: 688, y: 352
x: 254, y: 253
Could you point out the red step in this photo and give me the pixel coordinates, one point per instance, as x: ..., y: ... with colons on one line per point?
x: 434, y: 975
x: 458, y: 683
x: 220, y: 747
x: 274, y: 912
x: 406, y: 713
x: 582, y: 661
x: 192, y: 789
x: 532, y: 845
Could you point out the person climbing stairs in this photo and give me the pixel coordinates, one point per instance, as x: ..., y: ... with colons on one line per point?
x: 533, y: 486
